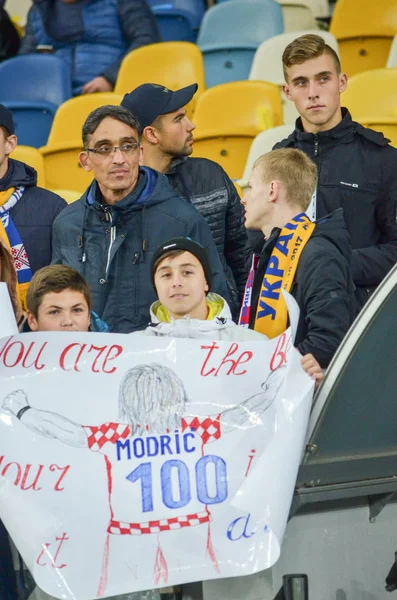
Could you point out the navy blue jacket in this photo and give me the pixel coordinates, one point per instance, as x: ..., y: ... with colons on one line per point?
x: 92, y: 36
x: 112, y: 246
x: 34, y: 214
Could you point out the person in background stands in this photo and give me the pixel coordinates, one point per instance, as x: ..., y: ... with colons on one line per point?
x: 92, y: 36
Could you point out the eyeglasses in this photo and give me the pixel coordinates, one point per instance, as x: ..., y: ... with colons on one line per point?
x: 127, y: 149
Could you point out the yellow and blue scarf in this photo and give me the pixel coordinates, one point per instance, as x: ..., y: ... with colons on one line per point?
x: 10, y: 235
x: 271, y: 313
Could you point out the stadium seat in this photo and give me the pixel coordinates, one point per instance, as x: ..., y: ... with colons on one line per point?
x: 32, y: 87
x: 392, y: 59
x: 364, y: 35
x: 68, y: 195
x: 371, y: 97
x: 297, y: 14
x: 261, y: 144
x: 229, y: 116
x: 32, y: 157
x: 231, y: 32
x: 173, y: 64
x: 320, y: 8
x: 18, y: 26
x: 178, y: 20
x: 267, y: 63
x: 61, y: 163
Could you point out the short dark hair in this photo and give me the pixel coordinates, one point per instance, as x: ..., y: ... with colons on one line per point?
x: 307, y: 47
x: 169, y: 254
x: 55, y: 278
x: 5, y: 131
x: 118, y: 113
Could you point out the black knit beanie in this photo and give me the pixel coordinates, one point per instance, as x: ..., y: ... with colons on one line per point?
x: 188, y: 245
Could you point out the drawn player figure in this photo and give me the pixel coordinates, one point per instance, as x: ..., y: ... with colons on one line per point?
x: 151, y: 423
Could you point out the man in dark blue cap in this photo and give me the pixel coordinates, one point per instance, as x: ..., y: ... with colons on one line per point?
x: 167, y: 143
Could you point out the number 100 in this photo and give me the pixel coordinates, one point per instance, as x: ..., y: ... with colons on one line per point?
x: 144, y: 473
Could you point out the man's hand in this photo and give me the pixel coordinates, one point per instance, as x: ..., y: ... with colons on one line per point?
x: 98, y: 84
x: 14, y: 402
x: 312, y: 368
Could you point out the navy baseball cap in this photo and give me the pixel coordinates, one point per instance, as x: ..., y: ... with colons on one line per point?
x: 150, y: 100
x: 6, y: 120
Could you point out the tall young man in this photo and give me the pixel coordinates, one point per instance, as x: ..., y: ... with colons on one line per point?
x: 167, y: 143
x: 110, y: 234
x: 309, y: 260
x: 357, y: 168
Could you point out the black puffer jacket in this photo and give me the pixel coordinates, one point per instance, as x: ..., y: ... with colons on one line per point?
x: 205, y: 184
x: 323, y: 288
x: 357, y: 171
x: 34, y: 214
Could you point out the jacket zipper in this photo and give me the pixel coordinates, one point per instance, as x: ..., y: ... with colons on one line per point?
x: 112, y: 238
x: 315, y: 145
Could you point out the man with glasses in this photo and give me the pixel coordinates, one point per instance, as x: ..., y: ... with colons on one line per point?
x: 110, y: 234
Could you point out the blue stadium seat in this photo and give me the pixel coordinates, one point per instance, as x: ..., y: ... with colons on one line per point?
x: 32, y: 87
x: 178, y: 20
x: 230, y: 34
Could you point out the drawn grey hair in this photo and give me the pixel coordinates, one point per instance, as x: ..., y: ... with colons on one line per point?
x: 153, y: 397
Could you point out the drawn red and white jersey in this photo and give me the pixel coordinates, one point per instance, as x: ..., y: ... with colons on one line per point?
x: 152, y: 477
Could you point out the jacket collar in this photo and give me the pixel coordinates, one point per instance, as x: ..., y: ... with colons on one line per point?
x: 343, y: 133
x: 147, y: 179
x: 175, y: 164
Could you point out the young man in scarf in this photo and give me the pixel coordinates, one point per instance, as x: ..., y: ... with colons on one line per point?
x: 26, y: 211
x: 309, y: 260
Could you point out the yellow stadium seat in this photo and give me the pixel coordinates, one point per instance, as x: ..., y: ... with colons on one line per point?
x: 172, y: 64
x: 61, y: 154
x: 32, y: 157
x: 68, y: 195
x: 364, y: 34
x: 229, y: 116
x: 16, y: 20
x: 371, y: 97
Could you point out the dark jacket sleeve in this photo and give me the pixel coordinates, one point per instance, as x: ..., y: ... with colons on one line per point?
x: 29, y: 42
x: 56, y: 258
x: 325, y: 300
x: 198, y: 230
x: 139, y: 28
x: 235, y: 237
x: 61, y: 205
x: 371, y: 265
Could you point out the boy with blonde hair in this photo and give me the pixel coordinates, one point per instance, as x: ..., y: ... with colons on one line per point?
x: 309, y: 260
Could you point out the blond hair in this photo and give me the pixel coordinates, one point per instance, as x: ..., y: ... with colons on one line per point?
x: 296, y: 171
x: 307, y: 47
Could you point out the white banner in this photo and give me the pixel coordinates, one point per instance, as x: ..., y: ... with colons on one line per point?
x: 132, y: 462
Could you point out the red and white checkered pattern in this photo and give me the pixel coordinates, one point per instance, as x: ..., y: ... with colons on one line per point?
x: 20, y: 256
x: 208, y: 428
x: 104, y: 434
x: 122, y: 528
